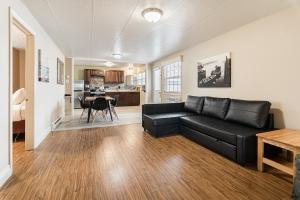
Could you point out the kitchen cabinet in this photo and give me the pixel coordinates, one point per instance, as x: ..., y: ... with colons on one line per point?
x: 97, y: 72
x: 89, y: 73
x: 126, y: 98
x: 114, y: 76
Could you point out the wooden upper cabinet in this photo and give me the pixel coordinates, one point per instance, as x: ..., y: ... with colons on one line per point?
x: 121, y: 76
x: 114, y: 76
x: 88, y: 73
x: 108, y: 77
x: 97, y: 72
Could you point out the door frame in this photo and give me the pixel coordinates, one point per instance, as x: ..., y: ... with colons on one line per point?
x: 14, y: 19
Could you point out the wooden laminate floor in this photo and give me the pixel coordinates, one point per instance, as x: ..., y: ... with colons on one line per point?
x: 123, y: 162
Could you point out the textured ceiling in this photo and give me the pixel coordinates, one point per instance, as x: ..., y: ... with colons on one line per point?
x: 98, y: 28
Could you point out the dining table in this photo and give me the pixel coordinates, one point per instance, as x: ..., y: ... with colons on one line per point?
x: 91, y: 99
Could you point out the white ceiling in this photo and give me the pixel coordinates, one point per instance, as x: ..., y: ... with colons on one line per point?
x: 18, y: 38
x: 97, y: 28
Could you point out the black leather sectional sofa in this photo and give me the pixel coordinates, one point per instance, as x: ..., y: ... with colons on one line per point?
x: 226, y: 126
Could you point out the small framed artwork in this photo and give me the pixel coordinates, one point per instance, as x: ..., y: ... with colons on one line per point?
x: 60, y: 72
x: 215, y: 72
x: 43, y: 69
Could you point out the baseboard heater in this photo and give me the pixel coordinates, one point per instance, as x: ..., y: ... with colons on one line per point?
x: 56, y: 123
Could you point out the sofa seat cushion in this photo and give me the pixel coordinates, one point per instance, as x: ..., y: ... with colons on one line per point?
x: 222, y: 130
x: 166, y: 118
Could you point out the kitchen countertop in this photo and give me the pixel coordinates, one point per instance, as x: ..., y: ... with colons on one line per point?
x: 113, y: 91
x: 122, y: 91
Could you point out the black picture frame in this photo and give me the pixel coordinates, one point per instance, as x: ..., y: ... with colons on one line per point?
x: 215, y: 72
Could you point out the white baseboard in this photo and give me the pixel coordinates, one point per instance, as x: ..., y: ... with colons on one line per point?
x: 39, y: 139
x: 5, y: 174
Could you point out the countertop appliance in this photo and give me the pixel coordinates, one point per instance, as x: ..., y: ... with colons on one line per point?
x: 78, y: 91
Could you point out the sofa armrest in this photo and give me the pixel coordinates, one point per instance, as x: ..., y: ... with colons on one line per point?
x: 270, y: 122
x: 150, y: 109
x: 246, y: 148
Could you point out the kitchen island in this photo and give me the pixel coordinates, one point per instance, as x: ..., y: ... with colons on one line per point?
x: 126, y: 97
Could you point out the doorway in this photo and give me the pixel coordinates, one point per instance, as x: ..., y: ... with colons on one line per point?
x: 21, y: 86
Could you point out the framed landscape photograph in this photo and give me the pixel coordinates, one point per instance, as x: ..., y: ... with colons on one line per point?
x: 215, y: 72
x: 60, y: 72
x: 43, y: 69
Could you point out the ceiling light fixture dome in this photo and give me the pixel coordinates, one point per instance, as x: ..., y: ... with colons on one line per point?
x: 152, y: 15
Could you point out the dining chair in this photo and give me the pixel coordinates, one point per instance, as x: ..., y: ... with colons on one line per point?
x: 113, y: 104
x: 100, y: 104
x: 84, y: 105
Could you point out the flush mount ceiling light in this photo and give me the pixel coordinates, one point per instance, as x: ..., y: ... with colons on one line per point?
x: 117, y: 55
x: 109, y: 64
x: 152, y: 15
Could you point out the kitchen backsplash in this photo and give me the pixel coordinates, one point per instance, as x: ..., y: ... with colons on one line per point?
x: 118, y: 86
x: 97, y: 82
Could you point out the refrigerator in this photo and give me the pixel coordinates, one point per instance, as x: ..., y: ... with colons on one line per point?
x: 78, y: 92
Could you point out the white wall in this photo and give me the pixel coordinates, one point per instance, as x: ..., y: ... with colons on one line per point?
x: 49, y: 99
x: 265, y: 64
x: 4, y: 117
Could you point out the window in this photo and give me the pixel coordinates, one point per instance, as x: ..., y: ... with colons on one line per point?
x: 140, y: 79
x: 172, y: 77
x: 134, y: 80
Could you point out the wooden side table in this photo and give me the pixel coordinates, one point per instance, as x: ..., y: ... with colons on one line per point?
x: 285, y: 139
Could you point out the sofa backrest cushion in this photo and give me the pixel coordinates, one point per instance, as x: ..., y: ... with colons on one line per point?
x: 194, y: 104
x: 215, y: 107
x: 251, y: 113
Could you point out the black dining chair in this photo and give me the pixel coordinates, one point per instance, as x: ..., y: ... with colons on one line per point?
x: 100, y: 104
x: 113, y: 104
x: 84, y: 105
